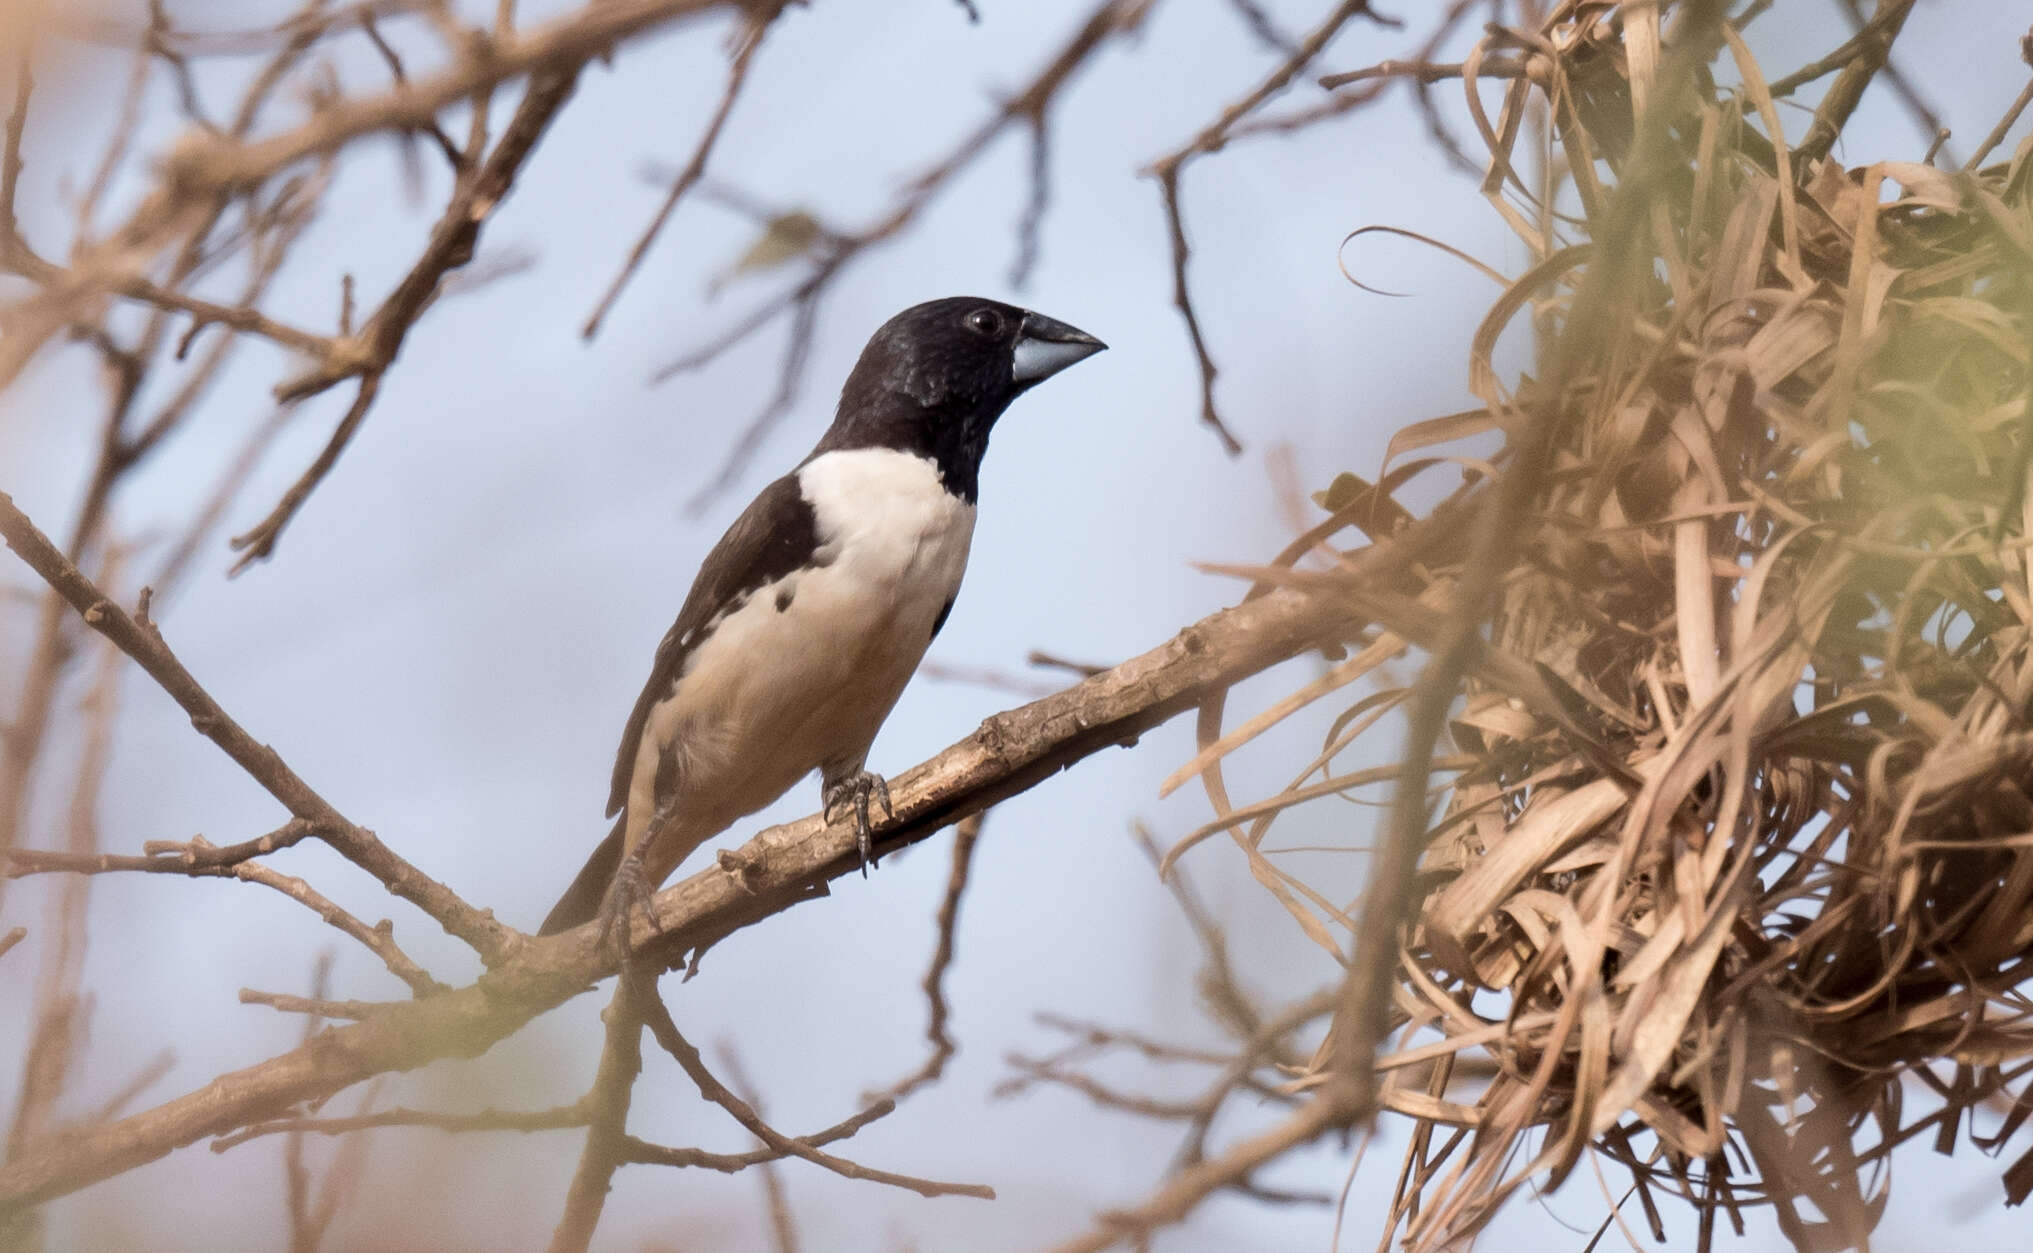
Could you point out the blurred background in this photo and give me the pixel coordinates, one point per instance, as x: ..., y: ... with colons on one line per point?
x: 452, y: 631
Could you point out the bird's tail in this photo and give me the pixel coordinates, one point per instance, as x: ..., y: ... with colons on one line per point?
x: 581, y: 901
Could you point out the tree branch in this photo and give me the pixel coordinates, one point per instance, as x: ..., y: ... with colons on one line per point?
x: 1337, y: 1104
x: 606, y: 1110
x: 965, y: 833
x: 139, y: 639
x: 1010, y: 753
x: 666, y: 1032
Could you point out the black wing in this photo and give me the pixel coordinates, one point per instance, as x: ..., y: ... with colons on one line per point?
x: 775, y: 535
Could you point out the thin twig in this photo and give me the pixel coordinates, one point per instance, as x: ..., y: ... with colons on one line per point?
x: 965, y: 834
x: 559, y: 1118
x: 368, y: 354
x: 305, y: 1231
x: 1182, y: 300
x: 695, y: 168
x: 666, y: 1032
x: 1871, y: 46
x: 2004, y: 127
x: 138, y: 637
x: 196, y: 856
x: 645, y: 1153
x: 284, y: 1002
x: 783, y: 1224
x: 1031, y: 224
x: 836, y: 250
x: 1166, y: 170
x: 258, y: 542
x: 1336, y: 1105
x: 10, y: 159
x: 453, y: 156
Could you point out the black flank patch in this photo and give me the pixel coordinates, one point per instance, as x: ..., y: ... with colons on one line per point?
x: 783, y: 599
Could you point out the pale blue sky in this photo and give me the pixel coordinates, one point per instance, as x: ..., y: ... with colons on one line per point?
x: 456, y: 625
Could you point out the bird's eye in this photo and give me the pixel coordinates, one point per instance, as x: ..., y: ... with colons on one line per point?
x: 985, y: 322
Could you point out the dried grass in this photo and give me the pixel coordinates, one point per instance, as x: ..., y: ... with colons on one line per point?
x: 1733, y: 854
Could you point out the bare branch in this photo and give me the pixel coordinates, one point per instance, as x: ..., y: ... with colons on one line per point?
x: 196, y: 856
x: 790, y: 377
x: 368, y: 354
x: 965, y: 833
x: 201, y: 860
x: 10, y: 159
x: 647, y: 1154
x: 1182, y: 299
x: 318, y: 1007
x: 558, y: 1118
x: 1862, y: 58
x: 783, y: 1224
x: 1336, y: 1105
x: 1260, y: 24
x: 210, y: 164
x: 1033, y: 220
x: 1011, y: 752
x: 140, y: 640
x: 658, y: 1018
x: 452, y: 243
x: 606, y: 1112
x: 453, y: 157
x: 258, y: 543
x: 1167, y: 168
x: 695, y: 168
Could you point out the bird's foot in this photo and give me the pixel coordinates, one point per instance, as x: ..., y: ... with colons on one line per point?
x: 628, y: 899
x: 852, y: 793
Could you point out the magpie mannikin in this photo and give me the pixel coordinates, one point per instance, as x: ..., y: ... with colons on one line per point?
x: 810, y: 615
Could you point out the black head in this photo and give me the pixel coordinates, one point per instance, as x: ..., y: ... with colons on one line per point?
x: 935, y: 378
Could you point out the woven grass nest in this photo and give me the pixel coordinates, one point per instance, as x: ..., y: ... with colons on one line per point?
x: 1745, y: 900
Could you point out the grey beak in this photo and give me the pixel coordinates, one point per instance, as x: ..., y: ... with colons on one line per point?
x: 1045, y: 346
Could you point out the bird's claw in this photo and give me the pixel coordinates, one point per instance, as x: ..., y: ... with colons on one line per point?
x: 855, y: 790
x: 629, y: 897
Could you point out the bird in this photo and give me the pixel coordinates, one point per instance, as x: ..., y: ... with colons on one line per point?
x: 807, y: 619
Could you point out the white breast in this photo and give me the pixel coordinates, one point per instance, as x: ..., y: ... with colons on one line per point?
x: 804, y: 672
x: 891, y: 521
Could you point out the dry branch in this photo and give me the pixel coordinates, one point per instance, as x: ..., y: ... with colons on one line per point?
x: 779, y: 867
x: 658, y: 1017
x: 966, y: 833
x: 138, y: 637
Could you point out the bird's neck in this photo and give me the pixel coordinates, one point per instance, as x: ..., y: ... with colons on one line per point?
x: 953, y: 438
